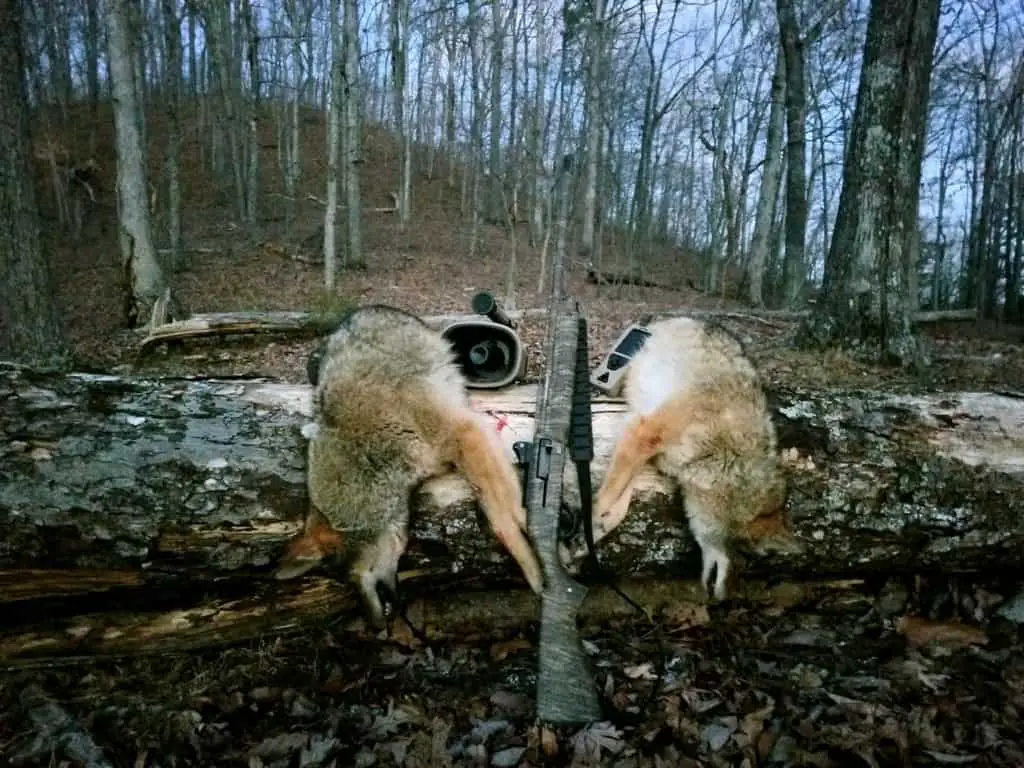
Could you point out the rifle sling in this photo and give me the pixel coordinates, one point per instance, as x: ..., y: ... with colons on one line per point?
x: 581, y: 451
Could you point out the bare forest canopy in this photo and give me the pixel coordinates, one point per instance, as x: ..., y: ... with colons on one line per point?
x: 719, y: 129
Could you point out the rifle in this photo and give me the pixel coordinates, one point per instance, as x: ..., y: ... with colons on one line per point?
x: 565, y: 687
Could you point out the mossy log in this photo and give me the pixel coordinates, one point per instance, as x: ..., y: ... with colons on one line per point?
x: 158, y: 495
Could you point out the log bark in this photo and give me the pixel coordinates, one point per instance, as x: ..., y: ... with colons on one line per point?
x: 131, y: 494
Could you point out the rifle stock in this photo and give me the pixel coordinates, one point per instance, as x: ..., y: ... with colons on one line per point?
x: 565, y: 689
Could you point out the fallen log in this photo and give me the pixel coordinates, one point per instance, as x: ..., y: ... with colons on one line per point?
x: 943, y: 315
x: 295, y: 607
x: 622, y: 278
x: 270, y: 322
x: 129, y: 493
x: 303, y: 324
x: 235, y: 324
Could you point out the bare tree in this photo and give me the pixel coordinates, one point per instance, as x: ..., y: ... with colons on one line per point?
x: 794, y: 269
x: 998, y: 120
x: 399, y: 41
x: 333, y: 141
x: 771, y: 178
x: 654, y: 110
x: 92, y: 47
x: 495, y: 187
x: 867, y: 291
x: 477, y: 122
x: 172, y: 97
x: 595, y: 56
x: 353, y: 134
x: 451, y: 39
x: 252, y: 153
x: 537, y: 123
x: 138, y: 256
x: 30, y: 328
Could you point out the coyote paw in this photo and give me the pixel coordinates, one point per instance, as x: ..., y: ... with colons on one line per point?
x: 380, y: 595
x: 715, y: 561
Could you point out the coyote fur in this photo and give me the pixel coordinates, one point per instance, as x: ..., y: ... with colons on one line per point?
x: 391, y: 411
x: 697, y: 409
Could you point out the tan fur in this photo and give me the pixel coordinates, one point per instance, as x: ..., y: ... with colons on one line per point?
x: 698, y: 411
x: 392, y: 411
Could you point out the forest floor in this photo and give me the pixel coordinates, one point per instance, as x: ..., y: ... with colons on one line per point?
x: 832, y: 680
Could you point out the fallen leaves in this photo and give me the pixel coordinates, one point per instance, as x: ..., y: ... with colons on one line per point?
x: 683, y: 616
x: 740, y: 686
x: 951, y: 634
x: 501, y: 650
x: 592, y: 744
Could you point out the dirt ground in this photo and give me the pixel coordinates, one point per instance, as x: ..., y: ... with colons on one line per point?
x: 823, y: 679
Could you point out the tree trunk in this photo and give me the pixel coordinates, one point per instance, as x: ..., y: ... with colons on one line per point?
x: 513, y: 162
x: 820, y: 151
x: 159, y: 491
x: 217, y: 29
x: 92, y: 67
x: 138, y: 256
x: 30, y: 323
x: 474, y: 156
x: 353, y: 134
x: 495, y: 189
x: 538, y: 188
x: 399, y: 35
x: 794, y: 268
x: 333, y: 146
x: 595, y: 56
x: 195, y: 78
x: 291, y: 138
x: 172, y: 97
x: 451, y: 46
x: 865, y: 287
x: 1009, y: 229
x: 770, y: 179
x: 252, y: 165
x: 1017, y: 255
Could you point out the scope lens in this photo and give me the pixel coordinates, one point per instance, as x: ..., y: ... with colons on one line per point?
x: 490, y: 356
x: 479, y: 353
x: 482, y: 303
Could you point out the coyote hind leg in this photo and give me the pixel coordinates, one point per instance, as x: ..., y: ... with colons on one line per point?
x: 639, y: 443
x: 481, y: 460
x: 376, y: 572
x: 608, y: 518
x: 678, y: 425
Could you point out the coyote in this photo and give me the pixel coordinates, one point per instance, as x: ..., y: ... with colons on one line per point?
x: 391, y: 411
x: 698, y: 410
